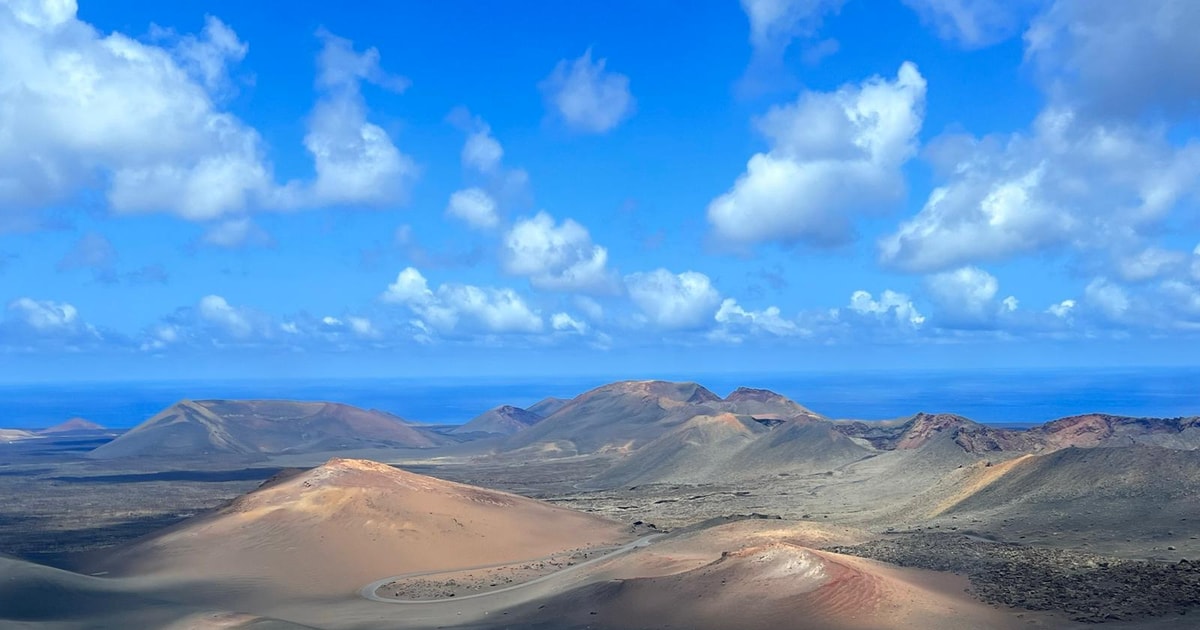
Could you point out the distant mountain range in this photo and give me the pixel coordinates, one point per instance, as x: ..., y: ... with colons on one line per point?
x: 75, y: 427
x: 655, y: 431
x: 264, y: 427
x: 1083, y: 431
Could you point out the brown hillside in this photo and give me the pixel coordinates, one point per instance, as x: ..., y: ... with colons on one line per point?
x: 343, y: 524
x: 256, y: 427
x: 503, y: 420
x: 620, y: 416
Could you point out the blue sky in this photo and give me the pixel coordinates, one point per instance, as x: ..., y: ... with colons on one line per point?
x: 463, y: 188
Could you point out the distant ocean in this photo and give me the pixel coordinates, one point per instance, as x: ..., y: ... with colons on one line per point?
x: 996, y: 396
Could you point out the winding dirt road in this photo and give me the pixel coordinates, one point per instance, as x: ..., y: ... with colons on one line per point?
x: 369, y: 591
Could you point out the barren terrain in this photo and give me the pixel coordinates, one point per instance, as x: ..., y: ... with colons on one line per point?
x: 933, y: 522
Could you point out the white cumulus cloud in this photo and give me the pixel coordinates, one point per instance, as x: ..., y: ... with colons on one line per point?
x: 774, y: 23
x: 964, y: 296
x: 82, y: 108
x: 475, y: 207
x: 1063, y: 309
x: 1150, y: 263
x: 566, y: 323
x: 234, y: 321
x: 44, y: 315
x: 974, y: 23
x: 1119, y: 59
x: 832, y: 156
x: 145, y: 123
x: 557, y: 257
x: 356, y: 161
x: 1069, y: 184
x: 362, y: 327
x: 30, y: 323
x: 586, y: 96
x: 1109, y: 299
x: 890, y: 305
x: 234, y: 233
x: 161, y: 337
x: 734, y: 321
x: 481, y: 151
x: 460, y: 308
x: 686, y: 300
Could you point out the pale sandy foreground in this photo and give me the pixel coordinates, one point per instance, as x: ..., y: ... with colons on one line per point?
x: 296, y: 553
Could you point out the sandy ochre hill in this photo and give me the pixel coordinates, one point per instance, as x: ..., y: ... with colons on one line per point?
x: 336, y: 527
x: 503, y: 420
x: 255, y: 427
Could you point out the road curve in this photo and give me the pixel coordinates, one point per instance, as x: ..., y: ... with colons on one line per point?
x: 368, y: 591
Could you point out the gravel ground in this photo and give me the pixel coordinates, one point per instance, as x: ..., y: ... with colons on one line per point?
x: 1088, y: 587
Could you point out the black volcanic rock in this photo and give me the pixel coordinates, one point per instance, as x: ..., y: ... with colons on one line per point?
x: 1086, y: 586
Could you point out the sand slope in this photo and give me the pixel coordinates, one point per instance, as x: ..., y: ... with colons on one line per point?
x: 798, y: 446
x: 36, y: 596
x: 1142, y: 473
x: 697, y: 450
x: 338, y: 526
x: 756, y: 574
x: 722, y: 448
x: 1098, y: 495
